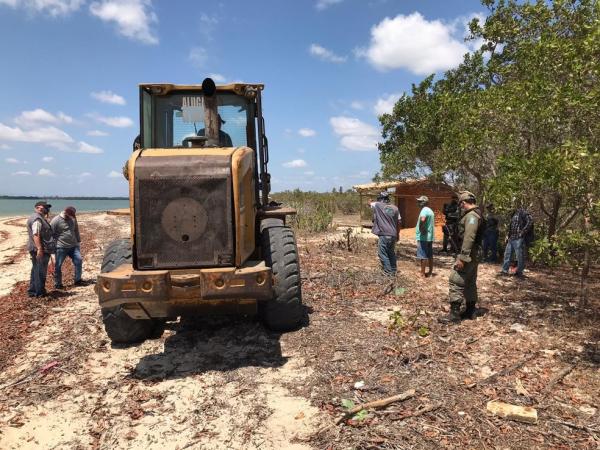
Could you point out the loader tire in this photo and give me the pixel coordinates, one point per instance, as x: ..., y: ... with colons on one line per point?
x: 120, y: 328
x: 284, y: 312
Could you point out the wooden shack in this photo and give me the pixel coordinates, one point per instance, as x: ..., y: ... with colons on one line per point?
x: 404, y: 195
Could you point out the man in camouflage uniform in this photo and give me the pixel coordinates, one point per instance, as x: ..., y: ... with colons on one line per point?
x: 463, y: 279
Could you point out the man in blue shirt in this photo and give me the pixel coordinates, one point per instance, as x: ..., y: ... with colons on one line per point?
x: 386, y: 225
x: 424, y: 235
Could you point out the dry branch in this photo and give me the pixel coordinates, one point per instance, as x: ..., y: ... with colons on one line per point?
x: 556, y: 378
x: 419, y: 412
x: 376, y: 404
x: 503, y: 372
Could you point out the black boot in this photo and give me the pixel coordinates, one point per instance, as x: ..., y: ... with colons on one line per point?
x: 453, y: 316
x: 470, y: 313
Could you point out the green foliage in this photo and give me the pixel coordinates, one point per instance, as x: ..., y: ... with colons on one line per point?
x: 361, y: 415
x: 347, y: 404
x: 423, y: 331
x: 315, y: 209
x: 397, y: 322
x: 518, y: 122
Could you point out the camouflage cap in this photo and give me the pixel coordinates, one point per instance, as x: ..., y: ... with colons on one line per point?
x: 466, y: 196
x: 423, y: 199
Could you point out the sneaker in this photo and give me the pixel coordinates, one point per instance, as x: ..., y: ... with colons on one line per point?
x: 59, y: 286
x: 502, y: 273
x: 81, y: 283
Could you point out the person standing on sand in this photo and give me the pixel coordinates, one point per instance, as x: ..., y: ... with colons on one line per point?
x: 66, y: 233
x: 463, y: 278
x: 386, y: 225
x: 424, y: 235
x: 40, y: 245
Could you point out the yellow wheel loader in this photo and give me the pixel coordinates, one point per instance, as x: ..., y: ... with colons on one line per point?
x: 204, y: 237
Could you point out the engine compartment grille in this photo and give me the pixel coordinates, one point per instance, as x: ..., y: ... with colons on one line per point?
x: 183, y: 212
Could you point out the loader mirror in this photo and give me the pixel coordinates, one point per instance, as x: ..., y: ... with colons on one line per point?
x: 208, y: 87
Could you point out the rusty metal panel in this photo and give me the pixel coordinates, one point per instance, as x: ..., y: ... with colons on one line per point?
x: 183, y: 211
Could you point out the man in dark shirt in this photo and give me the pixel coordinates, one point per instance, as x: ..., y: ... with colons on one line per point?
x: 224, y: 138
x: 386, y: 225
x: 40, y: 245
x: 451, y: 214
x: 490, y: 235
x: 520, y: 225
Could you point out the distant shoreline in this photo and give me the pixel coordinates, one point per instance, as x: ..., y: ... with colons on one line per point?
x: 57, y: 197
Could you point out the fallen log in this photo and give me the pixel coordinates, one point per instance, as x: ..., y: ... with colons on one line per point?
x: 376, y: 404
x: 525, y: 414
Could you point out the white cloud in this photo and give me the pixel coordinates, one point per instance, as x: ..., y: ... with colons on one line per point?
x: 324, y: 4
x: 198, y: 57
x: 48, y: 158
x: 30, y: 119
x: 4, y: 146
x: 83, y: 176
x: 325, y: 54
x: 217, y: 77
x: 12, y: 160
x: 385, y: 105
x: 116, y: 122
x: 21, y: 173
x: 46, y: 173
x: 414, y: 43
x: 108, y: 97
x: 354, y: 134
x: 309, y: 173
x: 295, y: 164
x: 134, y: 18
x: 301, y: 151
x: 97, y: 133
x: 307, y: 132
x: 46, y: 135
x: 114, y: 174
x: 357, y: 105
x: 53, y: 8
x: 84, y: 147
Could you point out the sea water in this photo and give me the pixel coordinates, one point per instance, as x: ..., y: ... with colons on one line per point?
x: 10, y: 207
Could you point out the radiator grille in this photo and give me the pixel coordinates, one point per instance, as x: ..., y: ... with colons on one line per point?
x: 183, y: 221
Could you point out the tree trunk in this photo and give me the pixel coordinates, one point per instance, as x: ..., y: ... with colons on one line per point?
x: 585, y: 270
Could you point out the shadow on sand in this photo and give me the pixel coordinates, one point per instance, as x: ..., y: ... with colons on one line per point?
x: 202, y: 344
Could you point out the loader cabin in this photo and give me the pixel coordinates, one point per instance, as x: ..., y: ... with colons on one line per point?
x: 183, y: 116
x: 199, y: 182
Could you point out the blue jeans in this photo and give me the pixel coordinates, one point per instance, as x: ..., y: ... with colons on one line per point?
x: 39, y: 270
x: 490, y: 245
x: 387, y: 253
x: 61, y: 255
x: 518, y: 246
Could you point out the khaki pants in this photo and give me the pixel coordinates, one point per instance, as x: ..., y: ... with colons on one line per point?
x: 463, y: 284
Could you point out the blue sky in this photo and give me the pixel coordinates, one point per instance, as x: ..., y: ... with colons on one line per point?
x: 70, y: 70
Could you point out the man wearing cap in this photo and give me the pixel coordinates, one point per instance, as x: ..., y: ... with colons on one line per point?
x: 40, y: 246
x: 463, y: 278
x: 66, y: 233
x: 224, y: 138
x: 424, y: 235
x: 386, y: 225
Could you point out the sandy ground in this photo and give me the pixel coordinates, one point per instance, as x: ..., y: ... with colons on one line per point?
x: 232, y: 384
x: 200, y: 386
x: 14, y: 266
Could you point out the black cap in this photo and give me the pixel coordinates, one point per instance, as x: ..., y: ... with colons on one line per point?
x: 44, y: 204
